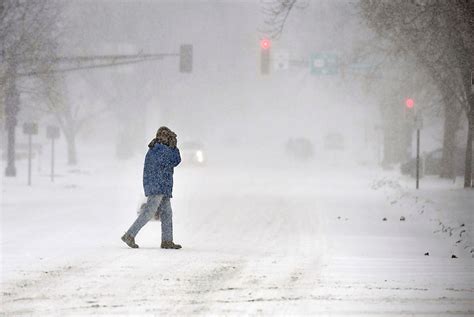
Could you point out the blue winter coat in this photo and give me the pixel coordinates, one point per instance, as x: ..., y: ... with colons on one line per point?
x: 160, y: 161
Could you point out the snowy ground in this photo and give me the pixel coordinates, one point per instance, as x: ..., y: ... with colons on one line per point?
x: 255, y: 241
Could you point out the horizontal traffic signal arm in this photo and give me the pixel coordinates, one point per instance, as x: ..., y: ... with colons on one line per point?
x: 73, y: 63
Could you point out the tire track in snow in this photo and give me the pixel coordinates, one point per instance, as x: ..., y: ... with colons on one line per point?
x: 289, y: 263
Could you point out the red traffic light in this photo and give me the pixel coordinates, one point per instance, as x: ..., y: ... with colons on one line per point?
x: 265, y: 44
x: 410, y: 103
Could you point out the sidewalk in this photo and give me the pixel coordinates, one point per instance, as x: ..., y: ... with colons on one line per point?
x: 447, y: 206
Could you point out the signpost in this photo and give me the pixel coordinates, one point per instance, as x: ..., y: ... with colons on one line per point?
x: 418, y: 127
x: 52, y: 133
x: 30, y: 128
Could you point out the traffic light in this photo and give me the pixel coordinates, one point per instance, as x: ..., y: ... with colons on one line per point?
x: 409, y: 109
x: 265, y: 45
x: 186, y: 58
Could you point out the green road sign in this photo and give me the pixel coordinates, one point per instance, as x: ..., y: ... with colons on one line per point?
x: 324, y: 64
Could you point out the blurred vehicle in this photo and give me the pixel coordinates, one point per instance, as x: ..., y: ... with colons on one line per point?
x: 430, y: 163
x: 192, y: 153
x: 299, y: 148
x: 334, y: 141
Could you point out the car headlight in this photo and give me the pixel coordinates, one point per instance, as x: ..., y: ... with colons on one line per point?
x: 199, y: 156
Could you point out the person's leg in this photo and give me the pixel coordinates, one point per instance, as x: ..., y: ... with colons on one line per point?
x: 151, y: 206
x: 166, y: 215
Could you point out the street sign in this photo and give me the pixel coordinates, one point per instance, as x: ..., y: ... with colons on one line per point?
x: 52, y: 132
x: 324, y: 64
x: 281, y: 60
x: 30, y: 128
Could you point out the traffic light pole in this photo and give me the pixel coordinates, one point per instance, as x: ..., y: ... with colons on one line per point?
x: 417, y: 158
x: 75, y: 63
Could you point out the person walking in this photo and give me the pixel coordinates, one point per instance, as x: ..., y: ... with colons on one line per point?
x: 161, y: 159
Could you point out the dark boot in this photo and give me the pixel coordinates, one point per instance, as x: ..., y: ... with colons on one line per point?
x: 169, y: 245
x: 129, y: 240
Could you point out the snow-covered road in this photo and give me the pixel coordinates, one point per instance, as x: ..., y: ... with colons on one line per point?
x: 255, y: 241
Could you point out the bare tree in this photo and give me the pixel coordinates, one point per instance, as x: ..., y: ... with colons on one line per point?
x: 385, y: 57
x: 276, y: 13
x: 439, y: 34
x: 70, y: 116
x: 28, y: 37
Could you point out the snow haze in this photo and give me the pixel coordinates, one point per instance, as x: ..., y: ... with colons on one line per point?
x: 225, y: 99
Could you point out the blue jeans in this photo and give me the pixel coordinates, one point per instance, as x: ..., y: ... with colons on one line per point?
x: 154, y: 203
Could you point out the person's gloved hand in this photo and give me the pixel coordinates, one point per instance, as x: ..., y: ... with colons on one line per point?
x: 152, y: 143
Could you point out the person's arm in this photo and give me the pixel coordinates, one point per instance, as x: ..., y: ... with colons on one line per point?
x: 178, y: 157
x: 147, y: 168
x: 168, y: 156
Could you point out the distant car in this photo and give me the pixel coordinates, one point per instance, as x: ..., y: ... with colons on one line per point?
x: 192, y: 153
x: 430, y: 163
x: 334, y: 141
x: 299, y: 148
